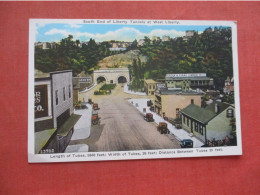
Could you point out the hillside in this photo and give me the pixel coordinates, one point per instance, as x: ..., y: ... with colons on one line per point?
x: 121, y: 60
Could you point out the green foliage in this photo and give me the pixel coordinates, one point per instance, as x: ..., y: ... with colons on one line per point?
x: 229, y: 98
x: 108, y: 87
x: 68, y: 55
x: 209, y: 52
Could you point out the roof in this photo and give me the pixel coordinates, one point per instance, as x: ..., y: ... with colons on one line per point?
x: 40, y: 74
x: 200, y: 114
x: 178, y: 92
x: 150, y: 81
x: 204, y: 115
x: 68, y: 125
x: 187, y: 78
x: 222, y: 106
x: 42, y: 138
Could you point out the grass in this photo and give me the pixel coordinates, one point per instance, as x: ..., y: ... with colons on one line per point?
x: 108, y: 87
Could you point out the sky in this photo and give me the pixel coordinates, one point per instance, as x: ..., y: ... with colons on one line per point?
x: 106, y: 32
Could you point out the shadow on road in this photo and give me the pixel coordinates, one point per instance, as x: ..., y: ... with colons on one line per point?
x: 95, y: 134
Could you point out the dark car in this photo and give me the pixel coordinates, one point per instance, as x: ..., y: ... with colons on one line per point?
x: 148, y: 117
x: 186, y: 143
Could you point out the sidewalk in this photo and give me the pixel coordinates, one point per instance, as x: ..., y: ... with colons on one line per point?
x: 81, y: 130
x: 179, y: 134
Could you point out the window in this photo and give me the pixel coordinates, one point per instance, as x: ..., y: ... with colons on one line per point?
x: 64, y: 97
x: 230, y: 113
x: 69, y: 91
x: 188, y: 122
x: 196, y: 126
x: 184, y: 119
x: 201, y: 129
x: 56, y: 97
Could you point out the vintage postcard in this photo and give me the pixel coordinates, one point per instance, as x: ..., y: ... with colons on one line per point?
x: 108, y: 89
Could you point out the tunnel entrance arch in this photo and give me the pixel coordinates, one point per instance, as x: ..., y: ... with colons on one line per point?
x: 121, y: 79
x: 112, y: 75
x: 101, y: 79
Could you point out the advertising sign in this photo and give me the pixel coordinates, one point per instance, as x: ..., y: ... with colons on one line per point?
x: 85, y: 80
x: 40, y: 101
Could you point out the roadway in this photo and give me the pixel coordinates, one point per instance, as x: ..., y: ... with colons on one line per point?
x: 122, y: 126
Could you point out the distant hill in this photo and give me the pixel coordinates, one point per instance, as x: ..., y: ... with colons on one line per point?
x: 121, y: 60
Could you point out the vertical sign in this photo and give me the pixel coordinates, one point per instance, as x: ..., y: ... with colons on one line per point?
x: 40, y: 101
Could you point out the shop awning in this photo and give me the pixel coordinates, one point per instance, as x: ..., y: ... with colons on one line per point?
x: 41, y: 138
x: 68, y: 125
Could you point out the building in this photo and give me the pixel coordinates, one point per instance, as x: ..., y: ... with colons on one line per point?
x: 53, y: 108
x: 140, y: 42
x: 149, y: 86
x: 166, y: 38
x: 229, y: 86
x: 210, y: 123
x: 46, y: 45
x: 168, y: 103
x: 188, y: 81
x: 189, y: 34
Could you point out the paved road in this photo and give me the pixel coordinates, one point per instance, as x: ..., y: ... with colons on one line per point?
x: 123, y: 127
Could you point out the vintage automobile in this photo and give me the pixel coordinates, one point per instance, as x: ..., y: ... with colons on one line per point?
x: 162, y: 128
x: 175, y: 122
x: 95, y: 119
x: 90, y: 101
x: 149, y: 103
x: 95, y: 106
x: 186, y: 143
x: 82, y: 105
x: 148, y: 117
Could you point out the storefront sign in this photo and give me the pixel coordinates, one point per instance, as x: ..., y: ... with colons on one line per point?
x: 85, y: 80
x: 41, y: 101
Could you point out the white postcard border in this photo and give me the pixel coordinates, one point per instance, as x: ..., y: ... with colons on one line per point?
x: 137, y: 154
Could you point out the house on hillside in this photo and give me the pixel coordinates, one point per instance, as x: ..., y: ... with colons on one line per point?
x: 210, y: 123
x: 229, y: 86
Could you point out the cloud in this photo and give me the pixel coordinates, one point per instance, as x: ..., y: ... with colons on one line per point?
x: 122, y: 34
x: 75, y: 26
x: 54, y: 31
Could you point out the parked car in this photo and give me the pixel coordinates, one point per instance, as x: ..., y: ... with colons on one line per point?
x: 149, y: 103
x: 162, y: 128
x: 95, y: 119
x: 175, y: 122
x: 148, y: 117
x: 186, y: 143
x: 90, y: 101
x: 95, y: 107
